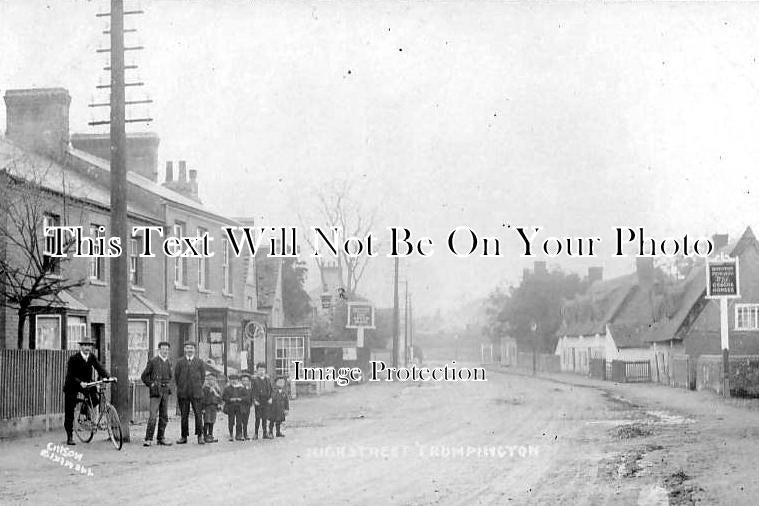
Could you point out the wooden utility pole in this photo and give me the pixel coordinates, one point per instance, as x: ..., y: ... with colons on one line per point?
x: 119, y: 266
x: 405, y: 329
x: 396, y: 316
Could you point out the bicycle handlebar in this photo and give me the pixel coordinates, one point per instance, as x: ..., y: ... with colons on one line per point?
x: 93, y: 383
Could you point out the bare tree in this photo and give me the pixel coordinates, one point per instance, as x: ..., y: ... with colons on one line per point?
x: 337, y: 207
x: 28, y: 277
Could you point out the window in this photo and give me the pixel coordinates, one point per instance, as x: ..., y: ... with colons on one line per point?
x: 97, y: 264
x: 226, y: 267
x: 48, y: 332
x: 180, y: 263
x: 288, y: 350
x: 135, y: 262
x: 160, y: 333
x: 747, y: 317
x: 137, y: 332
x: 76, y: 329
x: 51, y: 220
x: 203, y: 266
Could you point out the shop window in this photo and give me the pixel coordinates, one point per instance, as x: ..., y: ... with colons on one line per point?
x: 138, y: 347
x: 288, y: 350
x: 48, y: 332
x: 160, y: 333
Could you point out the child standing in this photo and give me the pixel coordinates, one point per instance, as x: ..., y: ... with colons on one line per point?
x: 233, y: 394
x: 211, y: 400
x: 262, y: 390
x: 280, y: 406
x: 247, y: 402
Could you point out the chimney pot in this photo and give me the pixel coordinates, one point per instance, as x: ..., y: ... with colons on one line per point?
x: 169, y: 172
x: 719, y: 241
x: 182, y: 171
x: 193, y: 174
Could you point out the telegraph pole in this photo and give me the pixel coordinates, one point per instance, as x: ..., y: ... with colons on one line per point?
x: 405, y: 329
x: 396, y: 316
x: 119, y: 266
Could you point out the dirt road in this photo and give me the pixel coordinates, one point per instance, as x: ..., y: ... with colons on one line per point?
x: 512, y: 439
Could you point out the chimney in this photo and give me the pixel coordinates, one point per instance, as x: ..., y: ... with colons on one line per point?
x: 644, y: 267
x: 525, y: 273
x: 169, y: 171
x: 539, y: 267
x: 38, y: 119
x: 719, y: 241
x: 142, y: 150
x: 595, y: 274
x: 194, y: 183
x: 182, y: 172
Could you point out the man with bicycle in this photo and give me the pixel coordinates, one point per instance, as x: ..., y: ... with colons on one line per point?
x: 78, y: 372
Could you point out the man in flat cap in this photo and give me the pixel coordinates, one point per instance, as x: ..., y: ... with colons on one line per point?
x: 157, y: 377
x: 78, y: 372
x: 189, y: 374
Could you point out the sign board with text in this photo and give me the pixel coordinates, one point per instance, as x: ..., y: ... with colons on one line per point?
x: 722, y: 279
x: 360, y: 316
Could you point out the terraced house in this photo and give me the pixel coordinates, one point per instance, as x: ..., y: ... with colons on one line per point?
x: 176, y: 299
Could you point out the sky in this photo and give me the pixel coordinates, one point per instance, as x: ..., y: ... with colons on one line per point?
x: 574, y: 117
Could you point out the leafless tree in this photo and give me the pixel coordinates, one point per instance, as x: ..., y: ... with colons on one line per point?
x: 28, y: 277
x: 336, y: 206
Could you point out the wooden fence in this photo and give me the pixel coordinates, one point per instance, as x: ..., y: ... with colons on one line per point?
x: 638, y: 371
x: 31, y: 382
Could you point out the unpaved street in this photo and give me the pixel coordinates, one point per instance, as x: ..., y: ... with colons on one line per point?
x: 513, y: 439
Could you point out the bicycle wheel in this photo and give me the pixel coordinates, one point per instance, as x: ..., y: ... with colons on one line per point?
x: 83, y: 424
x: 114, y: 426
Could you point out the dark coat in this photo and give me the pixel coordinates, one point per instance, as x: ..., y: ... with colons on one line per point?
x: 189, y: 376
x: 77, y: 371
x: 211, y: 401
x: 279, y: 404
x: 247, y: 399
x: 157, y: 376
x: 233, y: 396
x: 262, y: 389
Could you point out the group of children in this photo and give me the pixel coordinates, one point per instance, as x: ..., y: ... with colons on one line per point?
x: 270, y: 403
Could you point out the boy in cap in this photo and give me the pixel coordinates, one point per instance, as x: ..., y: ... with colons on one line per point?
x: 262, y: 390
x: 247, y: 402
x: 280, y: 406
x: 211, y: 401
x: 233, y: 394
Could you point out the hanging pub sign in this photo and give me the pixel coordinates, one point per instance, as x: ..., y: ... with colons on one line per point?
x: 722, y: 278
x: 326, y: 301
x: 360, y: 315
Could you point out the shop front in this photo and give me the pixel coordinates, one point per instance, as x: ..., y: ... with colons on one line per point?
x: 227, y: 338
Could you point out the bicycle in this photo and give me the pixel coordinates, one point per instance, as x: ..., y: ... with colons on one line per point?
x: 107, y: 417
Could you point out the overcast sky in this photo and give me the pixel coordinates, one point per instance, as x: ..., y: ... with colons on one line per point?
x: 575, y: 117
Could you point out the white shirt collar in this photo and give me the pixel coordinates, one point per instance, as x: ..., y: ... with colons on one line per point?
x: 85, y: 357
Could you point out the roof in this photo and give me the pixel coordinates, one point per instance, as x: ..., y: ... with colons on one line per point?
x: 588, y: 314
x: 62, y: 299
x: 57, y: 178
x: 153, y: 187
x: 139, y: 304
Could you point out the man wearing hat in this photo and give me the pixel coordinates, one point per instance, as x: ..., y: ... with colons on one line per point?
x: 78, y: 372
x: 189, y: 374
x: 157, y: 377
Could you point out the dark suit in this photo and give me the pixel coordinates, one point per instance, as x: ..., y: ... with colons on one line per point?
x: 77, y: 371
x: 157, y: 376
x: 262, y: 391
x: 189, y: 376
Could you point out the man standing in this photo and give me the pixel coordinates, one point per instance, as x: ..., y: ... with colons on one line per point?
x: 262, y: 391
x: 189, y: 375
x: 157, y: 376
x: 78, y: 372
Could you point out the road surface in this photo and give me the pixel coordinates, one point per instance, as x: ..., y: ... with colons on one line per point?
x: 513, y: 439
